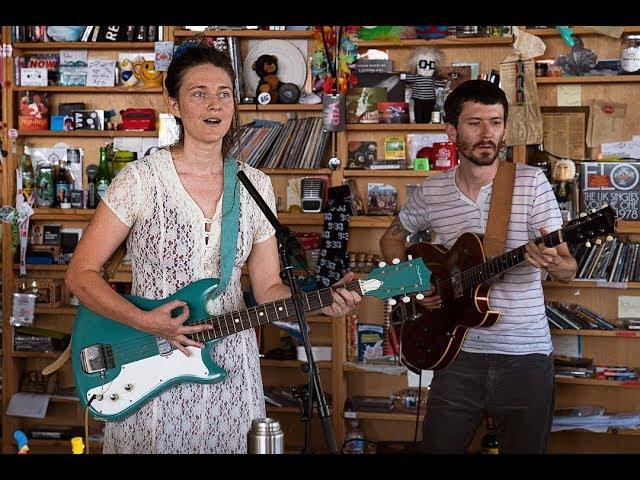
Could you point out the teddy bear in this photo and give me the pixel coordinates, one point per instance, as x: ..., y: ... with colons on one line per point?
x: 266, y: 66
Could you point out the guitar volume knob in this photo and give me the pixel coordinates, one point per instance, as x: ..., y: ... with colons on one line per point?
x: 128, y: 387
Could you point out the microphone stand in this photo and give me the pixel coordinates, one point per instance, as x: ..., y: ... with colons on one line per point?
x: 289, y: 248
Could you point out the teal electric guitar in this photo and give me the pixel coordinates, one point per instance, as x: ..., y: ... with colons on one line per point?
x: 118, y: 369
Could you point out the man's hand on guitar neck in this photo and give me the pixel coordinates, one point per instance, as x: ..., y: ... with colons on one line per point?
x: 556, y: 260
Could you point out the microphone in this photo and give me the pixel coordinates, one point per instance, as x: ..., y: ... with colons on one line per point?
x: 288, y: 242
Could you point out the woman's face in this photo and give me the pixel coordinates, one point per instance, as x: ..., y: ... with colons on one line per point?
x: 204, y: 104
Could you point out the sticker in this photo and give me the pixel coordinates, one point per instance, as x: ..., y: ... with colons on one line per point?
x: 13, y: 133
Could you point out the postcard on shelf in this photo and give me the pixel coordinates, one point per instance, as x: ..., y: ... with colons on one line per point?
x: 101, y: 72
x: 382, y: 199
x: 73, y: 67
x: 362, y: 104
x: 394, y: 148
x: 34, y: 111
x: 163, y: 54
x: 360, y: 154
x: 33, y: 77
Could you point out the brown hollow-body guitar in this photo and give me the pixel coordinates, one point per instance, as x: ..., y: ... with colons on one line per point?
x: 463, y: 277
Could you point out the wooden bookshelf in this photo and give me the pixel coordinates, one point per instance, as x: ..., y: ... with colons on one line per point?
x: 278, y: 107
x: 36, y: 354
x: 440, y: 42
x: 597, y: 333
x: 37, y: 46
x: 592, y: 284
x: 87, y: 133
x: 389, y: 173
x: 65, y: 214
x: 599, y: 383
x: 281, y: 34
x: 394, y: 127
x: 296, y: 171
x: 66, y: 89
x: 589, y: 79
x: 56, y: 310
x: 553, y: 32
x: 267, y: 362
x: 628, y: 226
x: 392, y: 417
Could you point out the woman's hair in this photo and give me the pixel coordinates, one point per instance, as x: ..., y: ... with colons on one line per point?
x: 192, y: 53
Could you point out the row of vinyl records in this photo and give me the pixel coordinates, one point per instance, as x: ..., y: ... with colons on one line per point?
x: 614, y: 261
x: 570, y: 316
x: 297, y: 143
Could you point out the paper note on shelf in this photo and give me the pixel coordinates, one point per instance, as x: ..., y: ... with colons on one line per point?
x: 567, y: 345
x: 628, y: 307
x: 32, y: 405
x: 414, y: 379
x: 569, y: 95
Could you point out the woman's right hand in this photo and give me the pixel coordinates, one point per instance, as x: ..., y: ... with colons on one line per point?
x: 160, y: 322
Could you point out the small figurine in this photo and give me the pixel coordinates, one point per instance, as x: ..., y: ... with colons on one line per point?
x: 424, y: 63
x: 266, y: 67
x: 21, y: 440
x: 77, y: 445
x: 564, y: 172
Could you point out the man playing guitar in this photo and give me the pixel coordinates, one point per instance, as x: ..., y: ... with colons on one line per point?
x: 505, y: 369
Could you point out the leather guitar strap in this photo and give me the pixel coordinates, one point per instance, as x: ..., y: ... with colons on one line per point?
x: 228, y: 243
x: 495, y: 235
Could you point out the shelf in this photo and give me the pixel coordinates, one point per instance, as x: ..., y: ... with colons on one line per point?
x: 597, y: 333
x: 395, y: 126
x: 86, y: 133
x: 599, y: 383
x: 247, y: 33
x: 35, y: 46
x: 357, y: 221
x: 389, y: 173
x: 611, y: 431
x: 628, y: 226
x: 267, y: 362
x: 281, y: 107
x: 32, y: 442
x: 301, y: 218
x: 442, y: 42
x: 272, y: 409
x: 553, y: 32
x: 118, y: 89
x: 56, y: 310
x: 590, y: 79
x: 62, y: 214
x: 36, y: 354
x: 371, y: 221
x: 394, y: 417
x: 592, y: 284
x: 63, y: 267
x: 56, y: 399
x: 296, y: 171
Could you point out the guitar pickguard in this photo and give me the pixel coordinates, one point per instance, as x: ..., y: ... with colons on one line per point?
x: 138, y: 381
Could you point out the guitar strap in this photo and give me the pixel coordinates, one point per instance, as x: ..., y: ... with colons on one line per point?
x: 495, y: 235
x: 228, y: 243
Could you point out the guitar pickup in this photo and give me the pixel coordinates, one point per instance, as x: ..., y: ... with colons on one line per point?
x: 96, y: 358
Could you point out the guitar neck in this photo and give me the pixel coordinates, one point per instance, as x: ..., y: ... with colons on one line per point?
x: 233, y: 322
x: 500, y: 264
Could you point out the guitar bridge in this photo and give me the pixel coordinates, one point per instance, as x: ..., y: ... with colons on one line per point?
x: 96, y: 358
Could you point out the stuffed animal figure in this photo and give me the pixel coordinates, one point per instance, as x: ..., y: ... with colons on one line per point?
x: 266, y: 66
x: 126, y: 73
x: 424, y: 63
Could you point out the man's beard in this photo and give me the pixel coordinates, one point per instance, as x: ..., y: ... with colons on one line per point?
x: 483, y: 158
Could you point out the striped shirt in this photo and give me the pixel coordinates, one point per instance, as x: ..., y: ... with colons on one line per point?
x: 438, y: 205
x: 423, y: 88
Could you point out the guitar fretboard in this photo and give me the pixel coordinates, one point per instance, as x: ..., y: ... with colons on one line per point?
x: 497, y: 265
x: 233, y: 322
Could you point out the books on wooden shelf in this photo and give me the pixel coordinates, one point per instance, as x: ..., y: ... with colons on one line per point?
x: 297, y: 143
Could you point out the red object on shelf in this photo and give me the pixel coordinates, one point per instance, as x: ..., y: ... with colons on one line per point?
x: 444, y: 156
x: 139, y: 119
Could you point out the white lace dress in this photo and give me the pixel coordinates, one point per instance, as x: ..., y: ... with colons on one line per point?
x: 168, y: 251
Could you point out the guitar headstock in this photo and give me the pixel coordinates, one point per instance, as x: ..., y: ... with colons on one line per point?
x: 591, y: 226
x: 404, y: 278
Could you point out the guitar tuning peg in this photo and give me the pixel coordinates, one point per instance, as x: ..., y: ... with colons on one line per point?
x: 609, y: 238
x: 593, y: 210
x: 392, y: 301
x: 409, y: 257
x: 598, y: 241
x: 588, y: 244
x: 604, y: 205
x: 419, y: 296
x: 382, y: 264
x: 395, y: 261
x: 406, y: 299
x: 582, y: 214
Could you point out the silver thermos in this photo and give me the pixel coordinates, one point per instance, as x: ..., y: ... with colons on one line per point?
x: 265, y: 436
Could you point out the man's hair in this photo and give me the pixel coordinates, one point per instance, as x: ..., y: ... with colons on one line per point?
x: 477, y: 91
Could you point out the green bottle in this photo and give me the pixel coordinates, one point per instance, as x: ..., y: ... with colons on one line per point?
x: 103, y: 178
